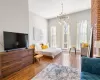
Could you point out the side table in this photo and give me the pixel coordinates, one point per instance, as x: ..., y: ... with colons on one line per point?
x: 74, y: 49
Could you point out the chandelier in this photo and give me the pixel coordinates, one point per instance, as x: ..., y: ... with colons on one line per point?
x: 62, y: 17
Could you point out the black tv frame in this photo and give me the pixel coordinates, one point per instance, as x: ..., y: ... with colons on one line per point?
x: 16, y: 48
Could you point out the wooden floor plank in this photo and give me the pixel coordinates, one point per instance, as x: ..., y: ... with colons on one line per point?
x: 29, y: 72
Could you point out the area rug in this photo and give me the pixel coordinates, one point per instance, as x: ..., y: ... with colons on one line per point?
x: 58, y: 72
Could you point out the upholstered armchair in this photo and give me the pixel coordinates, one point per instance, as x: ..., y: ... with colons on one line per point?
x: 84, y: 49
x: 90, y: 68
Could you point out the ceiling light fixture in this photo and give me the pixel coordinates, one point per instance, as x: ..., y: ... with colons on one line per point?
x: 62, y: 16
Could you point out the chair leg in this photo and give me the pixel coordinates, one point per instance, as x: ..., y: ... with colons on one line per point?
x: 75, y: 51
x: 69, y: 50
x: 39, y: 59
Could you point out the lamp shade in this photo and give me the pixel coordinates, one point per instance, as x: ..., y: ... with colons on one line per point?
x: 97, y: 44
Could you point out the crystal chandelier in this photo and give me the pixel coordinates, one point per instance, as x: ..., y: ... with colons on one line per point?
x: 62, y: 16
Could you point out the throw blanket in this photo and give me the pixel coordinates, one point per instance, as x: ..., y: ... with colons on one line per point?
x: 58, y: 72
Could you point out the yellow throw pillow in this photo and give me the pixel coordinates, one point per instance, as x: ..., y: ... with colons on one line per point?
x: 84, y: 45
x: 32, y: 46
x: 44, y: 46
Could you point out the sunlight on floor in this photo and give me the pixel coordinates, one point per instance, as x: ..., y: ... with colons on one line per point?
x: 65, y: 60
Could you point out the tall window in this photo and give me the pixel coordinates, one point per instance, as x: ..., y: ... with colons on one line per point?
x: 66, y: 36
x: 82, y: 32
x: 53, y: 36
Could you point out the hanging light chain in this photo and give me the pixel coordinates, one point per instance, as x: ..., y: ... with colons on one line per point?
x: 62, y: 8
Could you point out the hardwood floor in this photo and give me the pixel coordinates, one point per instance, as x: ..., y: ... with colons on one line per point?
x: 29, y: 72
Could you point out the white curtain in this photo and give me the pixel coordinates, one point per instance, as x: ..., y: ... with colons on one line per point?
x: 53, y: 36
x: 67, y: 38
x: 82, y: 33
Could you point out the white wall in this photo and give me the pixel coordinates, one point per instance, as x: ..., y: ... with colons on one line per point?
x: 40, y: 23
x: 73, y: 19
x: 14, y: 17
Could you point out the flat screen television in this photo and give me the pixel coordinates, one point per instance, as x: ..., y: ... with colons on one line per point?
x: 15, y: 40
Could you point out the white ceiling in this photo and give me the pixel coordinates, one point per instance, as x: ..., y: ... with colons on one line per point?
x: 52, y: 8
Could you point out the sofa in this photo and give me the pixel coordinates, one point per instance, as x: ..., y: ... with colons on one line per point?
x: 90, y: 68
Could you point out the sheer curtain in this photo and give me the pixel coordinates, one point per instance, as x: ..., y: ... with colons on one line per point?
x: 82, y: 33
x: 53, y: 36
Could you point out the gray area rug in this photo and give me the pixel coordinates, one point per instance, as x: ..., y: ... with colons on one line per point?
x: 58, y: 72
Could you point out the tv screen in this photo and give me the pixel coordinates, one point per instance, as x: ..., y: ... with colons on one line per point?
x: 15, y: 40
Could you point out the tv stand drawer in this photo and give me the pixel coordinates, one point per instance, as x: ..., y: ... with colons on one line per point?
x: 11, y: 69
x: 13, y: 61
